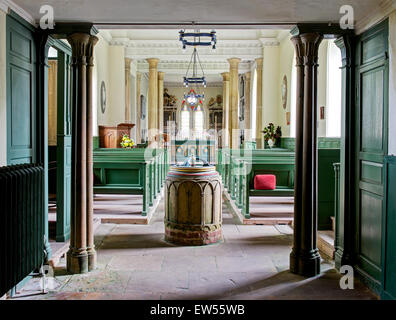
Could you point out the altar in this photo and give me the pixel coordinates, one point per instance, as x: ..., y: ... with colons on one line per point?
x: 204, y: 150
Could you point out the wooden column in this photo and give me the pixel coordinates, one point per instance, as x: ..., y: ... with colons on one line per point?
x: 305, y: 258
x: 234, y: 102
x: 77, y: 256
x: 161, y: 102
x: 153, y: 101
x: 259, y: 104
x: 344, y: 245
x: 139, y: 108
x: 226, y: 109
x: 128, y: 89
x: 248, y: 124
x: 90, y: 177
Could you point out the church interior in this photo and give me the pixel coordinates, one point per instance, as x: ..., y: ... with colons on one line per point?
x: 145, y: 158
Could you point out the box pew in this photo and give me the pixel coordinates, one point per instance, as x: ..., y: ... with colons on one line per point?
x: 131, y: 171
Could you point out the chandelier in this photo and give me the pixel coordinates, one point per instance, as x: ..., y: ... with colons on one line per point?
x: 193, y: 99
x: 194, y: 79
x: 197, y: 39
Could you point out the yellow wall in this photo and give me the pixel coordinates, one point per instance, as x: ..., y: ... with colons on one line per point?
x: 3, y: 101
x: 286, y: 53
x: 271, y: 89
x: 280, y: 63
x: 117, y: 84
x: 110, y: 68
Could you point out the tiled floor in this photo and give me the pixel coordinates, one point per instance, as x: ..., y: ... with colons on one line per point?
x: 134, y: 262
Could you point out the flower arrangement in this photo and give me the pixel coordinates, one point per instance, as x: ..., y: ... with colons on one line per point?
x: 127, y: 142
x: 271, y: 135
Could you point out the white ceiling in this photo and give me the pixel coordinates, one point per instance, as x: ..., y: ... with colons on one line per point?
x: 202, y: 11
x: 165, y: 45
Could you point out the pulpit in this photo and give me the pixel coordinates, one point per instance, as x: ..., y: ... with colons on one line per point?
x: 110, y: 137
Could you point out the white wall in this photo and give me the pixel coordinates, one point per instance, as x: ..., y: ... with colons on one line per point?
x: 101, y: 70
x: 110, y: 68
x: 322, y: 86
x: 286, y: 54
x: 271, y: 87
x: 116, y: 85
x: 3, y: 90
x: 272, y: 94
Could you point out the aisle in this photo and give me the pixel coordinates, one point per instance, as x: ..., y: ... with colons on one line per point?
x: 134, y: 262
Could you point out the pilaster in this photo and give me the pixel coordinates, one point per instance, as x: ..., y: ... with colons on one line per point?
x: 153, y: 101
x: 259, y: 104
x: 226, y: 110
x: 234, y: 102
x: 128, y: 89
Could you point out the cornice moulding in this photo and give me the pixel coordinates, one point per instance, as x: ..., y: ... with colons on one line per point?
x: 384, y: 9
x: 7, y: 5
x: 269, y: 42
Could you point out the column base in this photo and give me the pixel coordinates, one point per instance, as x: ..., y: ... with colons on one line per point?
x: 47, y: 249
x: 341, y: 259
x: 305, y: 264
x: 92, y: 259
x: 77, y: 261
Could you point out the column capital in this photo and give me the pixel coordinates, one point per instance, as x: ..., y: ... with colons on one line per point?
x: 248, y: 76
x: 79, y: 43
x: 161, y: 75
x: 259, y: 63
x: 299, y: 50
x: 153, y: 62
x: 234, y: 62
x: 311, y: 42
x: 226, y: 76
x: 128, y: 62
x: 93, y: 40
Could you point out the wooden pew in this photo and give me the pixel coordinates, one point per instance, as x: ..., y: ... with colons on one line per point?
x: 131, y: 171
x: 238, y: 168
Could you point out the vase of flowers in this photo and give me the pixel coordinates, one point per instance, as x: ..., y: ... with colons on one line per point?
x: 127, y: 142
x: 271, y: 135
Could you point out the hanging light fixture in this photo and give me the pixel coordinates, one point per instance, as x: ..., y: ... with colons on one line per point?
x: 197, y: 36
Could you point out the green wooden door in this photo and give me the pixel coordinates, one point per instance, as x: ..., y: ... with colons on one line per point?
x: 389, y: 245
x: 21, y: 93
x: 371, y: 147
x: 63, y: 150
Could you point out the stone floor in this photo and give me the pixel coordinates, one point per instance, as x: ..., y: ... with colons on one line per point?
x: 134, y: 262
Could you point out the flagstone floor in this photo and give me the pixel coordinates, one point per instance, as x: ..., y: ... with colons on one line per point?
x: 134, y: 262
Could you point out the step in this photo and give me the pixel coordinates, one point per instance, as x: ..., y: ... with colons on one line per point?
x: 326, y: 243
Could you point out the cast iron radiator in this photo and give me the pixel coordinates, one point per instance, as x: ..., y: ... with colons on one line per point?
x: 21, y: 223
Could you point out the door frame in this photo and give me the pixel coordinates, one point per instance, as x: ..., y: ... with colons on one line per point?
x: 63, y: 190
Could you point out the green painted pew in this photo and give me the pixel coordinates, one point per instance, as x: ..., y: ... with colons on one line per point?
x: 131, y: 171
x: 238, y: 168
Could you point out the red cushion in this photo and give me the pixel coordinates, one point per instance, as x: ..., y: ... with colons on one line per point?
x: 265, y: 182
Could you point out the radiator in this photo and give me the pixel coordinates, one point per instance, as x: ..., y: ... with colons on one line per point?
x: 21, y: 223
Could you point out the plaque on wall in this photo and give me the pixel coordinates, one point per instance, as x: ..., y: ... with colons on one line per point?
x: 284, y: 92
x: 143, y: 107
x: 103, y: 97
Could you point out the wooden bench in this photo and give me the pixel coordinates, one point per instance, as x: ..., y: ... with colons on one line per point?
x: 239, y: 167
x: 131, y: 171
